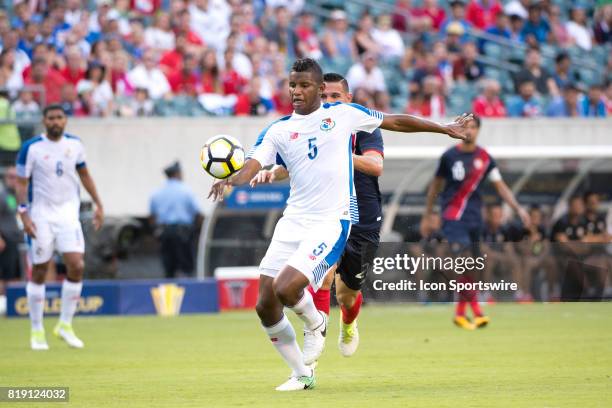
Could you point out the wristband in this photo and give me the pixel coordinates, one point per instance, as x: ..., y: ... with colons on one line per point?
x: 22, y: 208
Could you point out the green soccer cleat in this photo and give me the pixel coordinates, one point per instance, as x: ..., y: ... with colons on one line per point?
x: 300, y: 383
x: 38, y: 341
x: 348, y: 339
x: 66, y: 333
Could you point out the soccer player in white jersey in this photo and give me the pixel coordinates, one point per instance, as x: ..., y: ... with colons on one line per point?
x: 315, y: 145
x: 49, y: 168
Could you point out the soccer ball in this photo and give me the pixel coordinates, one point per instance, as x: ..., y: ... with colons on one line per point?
x: 222, y: 156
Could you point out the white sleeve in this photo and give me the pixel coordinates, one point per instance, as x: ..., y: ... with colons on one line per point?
x: 364, y: 119
x: 265, y: 149
x: 494, y: 175
x: 25, y: 161
x: 80, y: 162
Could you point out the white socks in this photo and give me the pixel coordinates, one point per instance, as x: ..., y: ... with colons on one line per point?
x: 306, y: 310
x: 282, y: 336
x: 36, y: 304
x: 71, y: 293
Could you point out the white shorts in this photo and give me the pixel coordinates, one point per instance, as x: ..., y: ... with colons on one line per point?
x: 50, y: 236
x: 310, y: 246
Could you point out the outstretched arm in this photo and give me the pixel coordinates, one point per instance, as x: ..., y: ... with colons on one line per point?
x: 250, y: 168
x: 410, y: 123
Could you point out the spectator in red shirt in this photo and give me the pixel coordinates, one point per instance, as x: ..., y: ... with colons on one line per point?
x: 430, y: 103
x: 435, y: 13
x: 248, y: 25
x: 482, y: 13
x: 119, y: 80
x: 211, y: 75
x: 488, y: 104
x: 307, y: 40
x: 407, y: 18
x: 74, y: 70
x: 282, y: 100
x: 467, y: 68
x: 251, y: 102
x: 40, y: 50
x: 172, y: 60
x: 51, y: 80
x: 232, y: 82
x: 185, y: 81
x: 183, y: 27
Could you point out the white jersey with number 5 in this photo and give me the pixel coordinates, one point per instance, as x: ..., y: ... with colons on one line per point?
x: 51, y: 167
x: 317, y: 151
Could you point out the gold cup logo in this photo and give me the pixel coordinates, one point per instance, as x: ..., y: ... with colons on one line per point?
x: 167, y: 298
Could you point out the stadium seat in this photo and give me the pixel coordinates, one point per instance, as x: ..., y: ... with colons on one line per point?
x: 601, y: 54
x: 493, y: 50
x: 460, y: 99
x: 516, y: 54
x: 589, y: 77
x: 399, y: 102
x: 512, y: 101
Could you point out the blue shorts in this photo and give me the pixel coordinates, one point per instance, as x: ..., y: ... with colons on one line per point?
x: 462, y: 235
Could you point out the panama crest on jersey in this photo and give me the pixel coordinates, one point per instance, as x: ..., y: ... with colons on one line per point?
x: 327, y: 124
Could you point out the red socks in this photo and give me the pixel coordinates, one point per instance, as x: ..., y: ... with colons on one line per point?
x: 349, y: 315
x: 320, y: 299
x: 460, y: 311
x: 475, y: 307
x: 468, y: 296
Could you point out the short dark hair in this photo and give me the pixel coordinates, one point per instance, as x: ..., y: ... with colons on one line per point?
x: 334, y: 78
x: 53, y: 107
x: 95, y: 65
x: 492, y: 205
x: 561, y: 57
x: 308, y: 65
x: 575, y: 197
x: 476, y: 119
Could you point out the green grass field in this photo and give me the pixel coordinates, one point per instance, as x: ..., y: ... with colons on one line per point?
x: 539, y: 355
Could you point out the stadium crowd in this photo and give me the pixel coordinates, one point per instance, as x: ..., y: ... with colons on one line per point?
x: 195, y: 57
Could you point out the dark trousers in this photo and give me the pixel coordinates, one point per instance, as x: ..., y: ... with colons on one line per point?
x: 10, y: 269
x: 177, y: 249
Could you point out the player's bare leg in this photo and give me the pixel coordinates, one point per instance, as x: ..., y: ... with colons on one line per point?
x: 71, y: 293
x: 290, y: 288
x: 35, y: 290
x: 281, y: 333
x: 350, y: 304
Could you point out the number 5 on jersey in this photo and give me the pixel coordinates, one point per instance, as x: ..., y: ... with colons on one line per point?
x: 312, y: 148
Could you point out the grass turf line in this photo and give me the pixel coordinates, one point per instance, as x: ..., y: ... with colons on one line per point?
x: 538, y: 355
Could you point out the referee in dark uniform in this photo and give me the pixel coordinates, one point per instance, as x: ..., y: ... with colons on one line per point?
x: 176, y: 213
